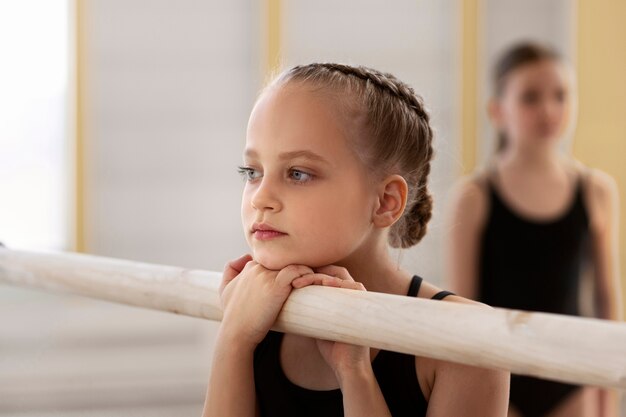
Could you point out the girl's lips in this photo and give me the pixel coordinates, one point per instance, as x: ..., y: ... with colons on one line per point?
x: 267, y: 234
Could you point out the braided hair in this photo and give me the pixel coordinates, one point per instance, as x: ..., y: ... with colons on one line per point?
x: 398, y: 133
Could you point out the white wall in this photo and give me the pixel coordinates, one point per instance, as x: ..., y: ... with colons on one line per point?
x: 34, y: 180
x: 169, y: 90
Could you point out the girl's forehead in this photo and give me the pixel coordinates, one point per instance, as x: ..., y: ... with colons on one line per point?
x: 294, y: 118
x: 542, y: 73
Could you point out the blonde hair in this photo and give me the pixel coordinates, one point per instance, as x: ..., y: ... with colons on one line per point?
x: 398, y: 137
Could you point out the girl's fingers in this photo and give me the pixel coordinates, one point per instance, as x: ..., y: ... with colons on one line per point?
x: 316, y: 279
x: 306, y: 280
x: 290, y: 273
x: 234, y: 268
x: 351, y: 285
x: 239, y: 263
x: 327, y: 281
x: 335, y: 271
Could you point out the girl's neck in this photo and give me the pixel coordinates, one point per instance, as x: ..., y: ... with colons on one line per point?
x: 372, y: 265
x: 528, y: 159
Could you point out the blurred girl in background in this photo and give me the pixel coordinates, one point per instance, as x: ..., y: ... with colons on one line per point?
x: 524, y: 229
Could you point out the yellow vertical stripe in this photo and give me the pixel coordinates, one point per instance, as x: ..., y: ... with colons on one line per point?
x: 600, y: 139
x: 273, y: 36
x: 469, y: 83
x: 79, y: 225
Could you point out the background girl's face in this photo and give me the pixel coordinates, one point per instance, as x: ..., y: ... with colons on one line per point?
x: 533, y: 108
x: 302, y: 180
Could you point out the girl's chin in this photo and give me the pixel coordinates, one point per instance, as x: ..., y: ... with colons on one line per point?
x: 273, y: 262
x: 276, y: 263
x: 273, y: 265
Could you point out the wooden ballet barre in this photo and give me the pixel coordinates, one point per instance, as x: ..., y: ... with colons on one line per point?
x: 569, y: 349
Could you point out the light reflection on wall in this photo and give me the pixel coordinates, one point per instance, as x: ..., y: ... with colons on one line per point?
x: 34, y: 40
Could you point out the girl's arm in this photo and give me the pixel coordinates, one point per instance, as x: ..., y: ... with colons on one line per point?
x: 458, y: 390
x: 231, y: 390
x: 604, y: 208
x: 461, y: 390
x: 362, y: 395
x: 251, y: 296
x: 603, y: 203
x: 351, y: 364
x: 466, y: 216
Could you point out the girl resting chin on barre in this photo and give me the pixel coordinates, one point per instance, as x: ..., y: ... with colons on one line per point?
x: 336, y: 167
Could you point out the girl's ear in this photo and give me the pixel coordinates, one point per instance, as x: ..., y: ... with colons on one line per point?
x: 391, y: 201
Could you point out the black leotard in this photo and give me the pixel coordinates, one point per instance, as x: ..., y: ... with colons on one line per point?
x: 279, y: 397
x: 536, y: 266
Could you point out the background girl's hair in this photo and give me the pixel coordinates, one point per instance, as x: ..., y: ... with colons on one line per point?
x: 517, y: 56
x: 398, y: 136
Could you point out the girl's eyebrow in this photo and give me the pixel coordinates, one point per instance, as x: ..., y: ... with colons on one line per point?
x: 306, y: 154
x: 303, y: 154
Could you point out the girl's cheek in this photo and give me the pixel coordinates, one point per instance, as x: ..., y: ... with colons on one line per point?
x: 528, y: 116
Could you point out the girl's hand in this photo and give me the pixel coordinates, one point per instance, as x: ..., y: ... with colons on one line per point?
x: 252, y: 296
x: 343, y: 358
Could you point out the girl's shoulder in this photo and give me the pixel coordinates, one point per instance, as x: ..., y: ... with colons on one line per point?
x: 466, y: 384
x: 595, y: 179
x: 599, y: 184
x: 428, y: 290
x: 601, y: 195
x: 469, y: 198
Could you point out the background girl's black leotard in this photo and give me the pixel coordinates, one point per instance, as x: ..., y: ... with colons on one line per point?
x: 279, y: 397
x: 532, y: 265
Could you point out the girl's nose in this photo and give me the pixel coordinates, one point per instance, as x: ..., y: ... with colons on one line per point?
x: 552, y: 108
x: 265, y: 197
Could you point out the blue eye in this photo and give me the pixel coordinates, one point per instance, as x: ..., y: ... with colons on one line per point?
x: 248, y: 174
x: 300, y: 176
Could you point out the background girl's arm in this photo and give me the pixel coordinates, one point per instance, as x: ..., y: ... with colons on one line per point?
x: 465, y: 220
x: 603, y: 201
